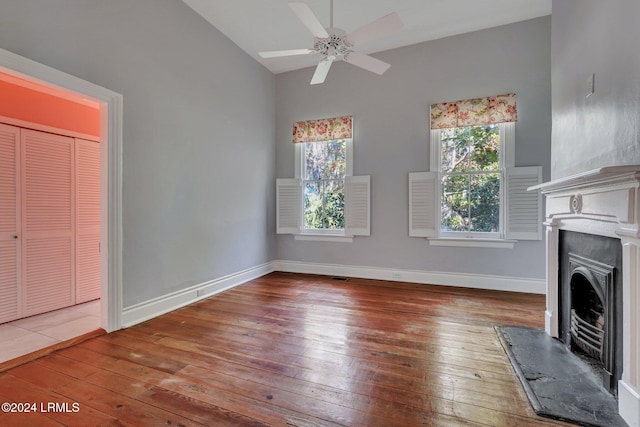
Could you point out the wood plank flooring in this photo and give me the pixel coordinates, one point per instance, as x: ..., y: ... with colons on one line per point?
x: 293, y: 350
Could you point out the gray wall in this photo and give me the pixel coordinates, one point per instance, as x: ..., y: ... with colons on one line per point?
x: 391, y: 138
x: 198, y: 137
x: 592, y: 36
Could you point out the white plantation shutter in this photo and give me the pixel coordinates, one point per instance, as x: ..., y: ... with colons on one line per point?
x: 48, y: 221
x: 87, y: 220
x: 422, y: 204
x: 523, y: 208
x: 288, y: 205
x: 357, y: 205
x: 9, y: 223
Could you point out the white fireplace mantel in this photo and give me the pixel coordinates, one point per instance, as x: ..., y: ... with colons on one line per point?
x: 604, y: 202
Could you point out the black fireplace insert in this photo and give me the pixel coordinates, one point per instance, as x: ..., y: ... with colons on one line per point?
x: 590, y: 301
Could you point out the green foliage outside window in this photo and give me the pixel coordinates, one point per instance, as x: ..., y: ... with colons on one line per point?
x: 325, y: 165
x: 470, y: 163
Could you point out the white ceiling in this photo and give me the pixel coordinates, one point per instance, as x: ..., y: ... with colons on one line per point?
x: 261, y: 25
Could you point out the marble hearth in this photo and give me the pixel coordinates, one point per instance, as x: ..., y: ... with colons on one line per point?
x: 601, y: 202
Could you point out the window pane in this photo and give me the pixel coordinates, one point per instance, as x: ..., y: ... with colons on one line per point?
x: 455, y: 150
x: 484, y: 202
x: 473, y: 148
x: 325, y: 160
x: 334, y: 205
x: 336, y: 160
x: 313, y: 205
x: 324, y: 205
x: 455, y: 203
x: 485, y: 148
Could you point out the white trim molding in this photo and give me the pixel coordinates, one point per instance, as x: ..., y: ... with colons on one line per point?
x: 477, y: 281
x: 310, y: 237
x: 473, y: 242
x: 629, y: 404
x: 155, y: 307
x: 111, y: 113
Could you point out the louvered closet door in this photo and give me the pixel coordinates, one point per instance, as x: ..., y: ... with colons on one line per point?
x: 9, y: 223
x: 48, y: 221
x: 87, y: 220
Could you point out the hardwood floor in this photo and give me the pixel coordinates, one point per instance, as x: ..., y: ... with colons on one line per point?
x: 293, y: 350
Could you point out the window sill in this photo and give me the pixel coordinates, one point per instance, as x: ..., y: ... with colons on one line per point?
x: 310, y: 237
x: 472, y: 242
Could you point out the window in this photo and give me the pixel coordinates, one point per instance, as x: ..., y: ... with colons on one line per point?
x: 324, y: 168
x: 474, y: 194
x: 324, y: 201
x: 471, y: 169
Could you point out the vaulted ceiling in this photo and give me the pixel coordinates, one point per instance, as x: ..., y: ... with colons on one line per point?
x: 263, y: 25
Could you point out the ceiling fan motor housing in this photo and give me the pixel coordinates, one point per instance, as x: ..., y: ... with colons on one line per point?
x: 333, y: 46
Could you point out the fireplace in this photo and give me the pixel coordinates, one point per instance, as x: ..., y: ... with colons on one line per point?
x: 593, y: 271
x: 590, y: 301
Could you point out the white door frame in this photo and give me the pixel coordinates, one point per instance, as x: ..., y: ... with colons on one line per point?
x: 110, y: 176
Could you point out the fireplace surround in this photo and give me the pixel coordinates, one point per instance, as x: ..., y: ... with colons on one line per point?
x: 601, y: 202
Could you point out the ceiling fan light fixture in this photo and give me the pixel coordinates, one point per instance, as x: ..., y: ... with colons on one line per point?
x: 336, y: 44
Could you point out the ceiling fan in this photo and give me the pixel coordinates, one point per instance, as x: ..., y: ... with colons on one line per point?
x: 335, y: 44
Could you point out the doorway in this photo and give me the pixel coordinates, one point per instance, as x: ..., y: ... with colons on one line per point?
x: 110, y: 175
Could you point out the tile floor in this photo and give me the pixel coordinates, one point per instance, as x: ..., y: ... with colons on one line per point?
x: 33, y: 333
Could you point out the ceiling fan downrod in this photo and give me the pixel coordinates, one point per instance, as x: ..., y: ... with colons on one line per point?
x: 331, y: 14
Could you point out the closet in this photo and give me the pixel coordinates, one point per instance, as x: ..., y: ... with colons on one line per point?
x: 49, y: 222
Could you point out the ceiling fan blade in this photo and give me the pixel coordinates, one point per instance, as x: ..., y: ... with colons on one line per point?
x: 321, y: 71
x: 290, y: 52
x: 376, y: 29
x: 309, y: 19
x: 367, y: 62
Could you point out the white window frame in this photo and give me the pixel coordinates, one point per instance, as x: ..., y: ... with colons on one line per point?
x: 476, y: 239
x: 318, y: 234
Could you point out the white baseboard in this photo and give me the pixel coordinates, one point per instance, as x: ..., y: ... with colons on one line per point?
x: 628, y: 404
x: 498, y: 283
x: 149, y: 309
x: 548, y: 323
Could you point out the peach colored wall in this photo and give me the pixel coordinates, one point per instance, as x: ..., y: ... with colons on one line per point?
x: 30, y: 105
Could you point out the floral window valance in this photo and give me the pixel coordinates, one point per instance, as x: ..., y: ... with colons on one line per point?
x: 323, y: 129
x: 472, y: 112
